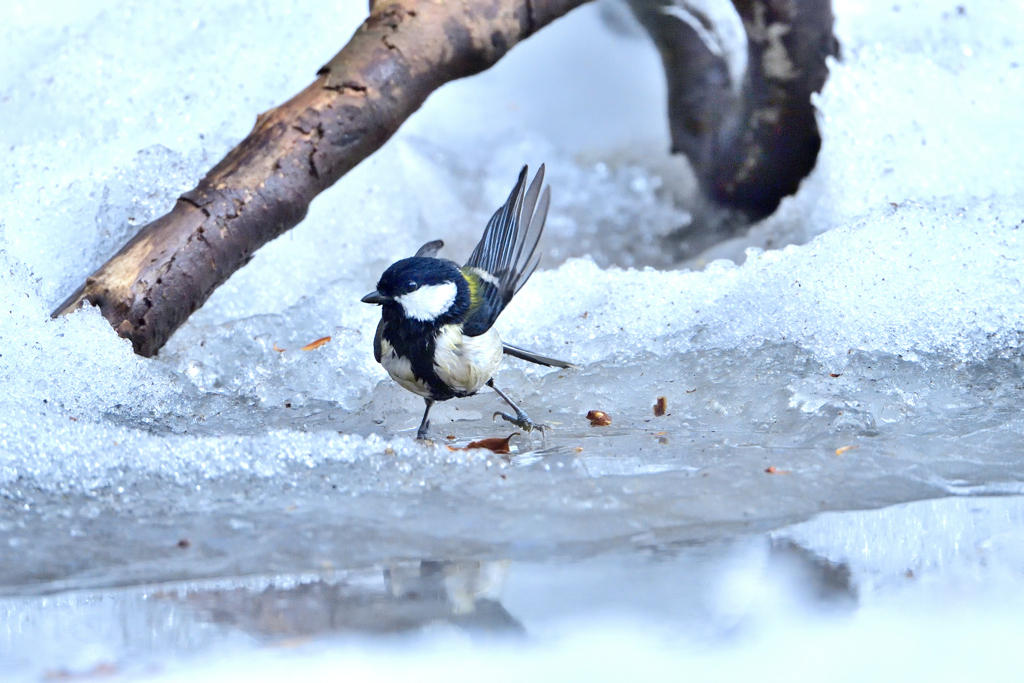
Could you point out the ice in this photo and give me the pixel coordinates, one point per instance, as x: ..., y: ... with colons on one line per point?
x: 882, y: 283
x: 854, y: 352
x: 835, y: 591
x: 939, y: 540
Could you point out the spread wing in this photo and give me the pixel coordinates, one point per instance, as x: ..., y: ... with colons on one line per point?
x: 507, y: 253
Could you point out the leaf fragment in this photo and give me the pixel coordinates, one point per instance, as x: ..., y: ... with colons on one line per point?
x: 495, y: 444
x: 316, y: 344
x: 843, y: 449
x: 660, y: 406
x: 599, y: 418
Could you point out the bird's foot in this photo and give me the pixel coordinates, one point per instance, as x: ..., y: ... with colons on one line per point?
x: 523, y: 421
x: 421, y: 433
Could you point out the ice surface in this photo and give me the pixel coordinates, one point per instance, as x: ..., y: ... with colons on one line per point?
x: 880, y: 308
x: 839, y: 592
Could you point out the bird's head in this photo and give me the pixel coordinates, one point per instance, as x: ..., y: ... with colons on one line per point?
x: 428, y: 290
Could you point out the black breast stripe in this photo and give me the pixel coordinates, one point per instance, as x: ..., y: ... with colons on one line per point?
x: 415, y: 341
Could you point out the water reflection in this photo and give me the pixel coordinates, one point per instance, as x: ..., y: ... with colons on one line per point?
x: 709, y: 593
x: 412, y: 596
x: 826, y: 584
x: 699, y: 590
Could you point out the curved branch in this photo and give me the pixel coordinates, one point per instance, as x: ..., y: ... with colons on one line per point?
x: 404, y: 50
x: 750, y: 143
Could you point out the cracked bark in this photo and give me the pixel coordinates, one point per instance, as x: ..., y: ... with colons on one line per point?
x: 404, y: 50
x: 750, y: 143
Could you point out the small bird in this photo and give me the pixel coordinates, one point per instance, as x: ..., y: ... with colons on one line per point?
x: 436, y: 336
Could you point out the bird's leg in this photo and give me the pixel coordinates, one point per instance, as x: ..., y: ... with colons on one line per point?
x: 521, y: 420
x: 421, y: 434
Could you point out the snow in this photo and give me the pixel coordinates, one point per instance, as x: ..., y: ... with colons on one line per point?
x: 879, y: 308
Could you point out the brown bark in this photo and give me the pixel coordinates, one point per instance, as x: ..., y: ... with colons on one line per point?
x: 749, y: 146
x: 404, y: 50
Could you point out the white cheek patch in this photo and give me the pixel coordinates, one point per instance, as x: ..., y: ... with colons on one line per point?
x: 429, y: 301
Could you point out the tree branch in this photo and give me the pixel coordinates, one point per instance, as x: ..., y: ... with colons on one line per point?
x: 750, y: 143
x: 404, y: 50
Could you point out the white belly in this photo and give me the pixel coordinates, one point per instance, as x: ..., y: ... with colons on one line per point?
x: 466, y: 363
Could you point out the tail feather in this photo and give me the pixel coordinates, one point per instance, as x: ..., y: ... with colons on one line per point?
x: 532, y: 357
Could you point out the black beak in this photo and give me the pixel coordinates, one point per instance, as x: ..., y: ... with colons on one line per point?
x: 375, y: 298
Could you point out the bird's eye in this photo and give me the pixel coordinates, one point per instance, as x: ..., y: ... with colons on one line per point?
x: 411, y: 284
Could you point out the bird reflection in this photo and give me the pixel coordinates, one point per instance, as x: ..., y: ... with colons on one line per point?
x: 414, y: 595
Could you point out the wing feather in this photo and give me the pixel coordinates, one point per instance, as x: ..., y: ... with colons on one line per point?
x: 430, y: 249
x: 540, y: 217
x: 377, y: 349
x: 507, y: 252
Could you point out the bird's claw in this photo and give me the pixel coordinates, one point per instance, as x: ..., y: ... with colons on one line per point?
x: 523, y: 421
